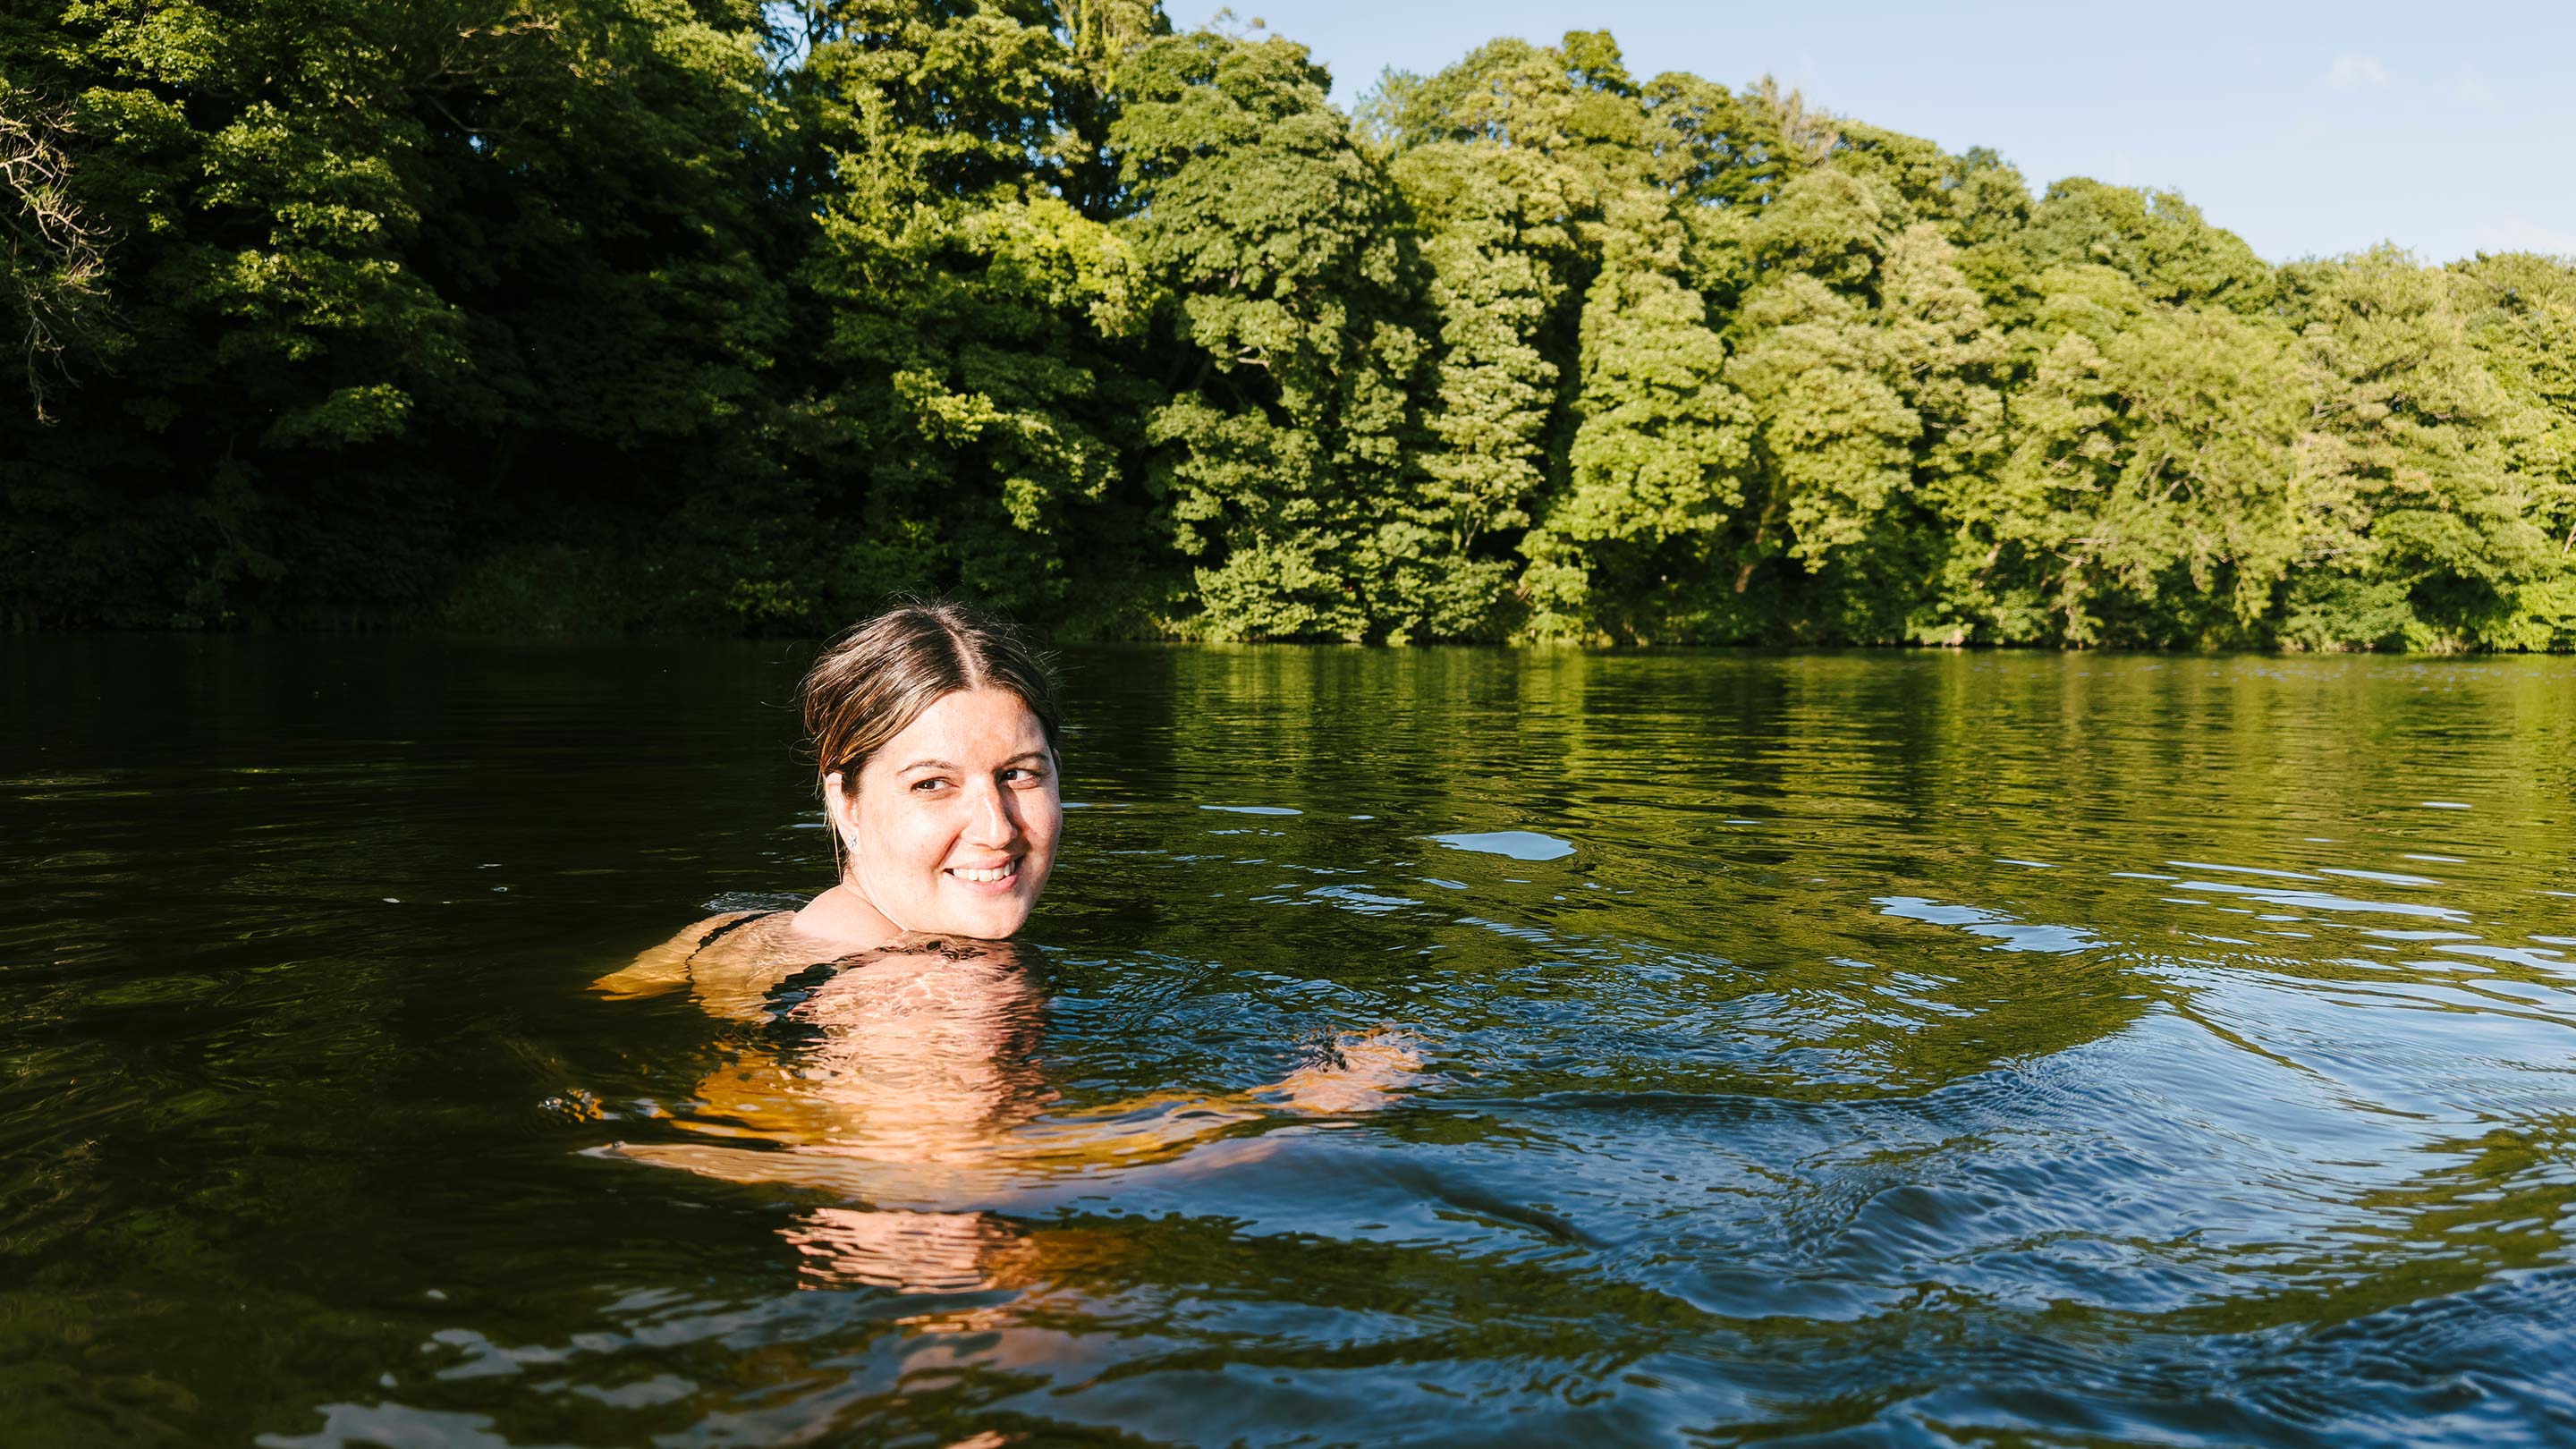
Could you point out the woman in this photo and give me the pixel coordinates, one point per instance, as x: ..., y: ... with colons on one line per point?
x: 934, y: 731
x: 897, y: 1064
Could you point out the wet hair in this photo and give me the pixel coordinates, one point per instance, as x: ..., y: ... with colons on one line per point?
x: 877, y: 677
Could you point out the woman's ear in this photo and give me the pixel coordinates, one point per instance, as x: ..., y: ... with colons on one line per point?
x: 841, y: 810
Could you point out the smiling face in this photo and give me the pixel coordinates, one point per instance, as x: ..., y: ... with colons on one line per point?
x: 953, y: 827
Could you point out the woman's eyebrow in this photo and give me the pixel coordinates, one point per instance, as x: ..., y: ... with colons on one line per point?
x: 947, y: 765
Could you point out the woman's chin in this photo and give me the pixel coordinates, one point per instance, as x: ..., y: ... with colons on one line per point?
x: 989, y: 920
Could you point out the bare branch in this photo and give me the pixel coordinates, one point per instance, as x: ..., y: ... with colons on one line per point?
x: 53, y: 259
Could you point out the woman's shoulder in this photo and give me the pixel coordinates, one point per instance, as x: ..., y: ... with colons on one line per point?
x: 665, y: 967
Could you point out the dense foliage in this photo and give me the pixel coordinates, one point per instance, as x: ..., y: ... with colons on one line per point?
x: 576, y: 314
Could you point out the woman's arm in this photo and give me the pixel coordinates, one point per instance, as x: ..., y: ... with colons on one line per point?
x: 1369, y: 1069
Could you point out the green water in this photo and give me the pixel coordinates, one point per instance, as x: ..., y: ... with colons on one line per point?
x: 1885, y: 1049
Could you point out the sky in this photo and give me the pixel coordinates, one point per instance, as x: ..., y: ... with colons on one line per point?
x: 2308, y: 129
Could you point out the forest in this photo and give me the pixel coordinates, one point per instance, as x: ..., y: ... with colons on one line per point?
x: 576, y: 316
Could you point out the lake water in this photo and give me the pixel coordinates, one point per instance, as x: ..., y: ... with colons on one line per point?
x: 1819, y: 1049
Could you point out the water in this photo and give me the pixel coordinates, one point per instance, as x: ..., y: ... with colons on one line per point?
x: 1869, y: 1049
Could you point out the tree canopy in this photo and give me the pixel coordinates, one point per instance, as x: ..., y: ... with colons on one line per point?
x: 541, y: 315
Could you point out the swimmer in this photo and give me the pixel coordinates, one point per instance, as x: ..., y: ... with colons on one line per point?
x: 934, y: 730
x: 895, y: 1063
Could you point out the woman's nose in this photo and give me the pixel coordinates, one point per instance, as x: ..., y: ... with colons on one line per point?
x: 989, y: 821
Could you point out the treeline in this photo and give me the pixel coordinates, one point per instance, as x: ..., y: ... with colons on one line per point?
x: 598, y: 314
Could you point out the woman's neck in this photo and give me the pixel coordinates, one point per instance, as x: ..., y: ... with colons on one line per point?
x: 843, y: 916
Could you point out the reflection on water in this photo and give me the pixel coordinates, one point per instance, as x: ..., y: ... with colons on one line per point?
x: 910, y: 1074
x: 1438, y: 1048
x: 904, y: 1064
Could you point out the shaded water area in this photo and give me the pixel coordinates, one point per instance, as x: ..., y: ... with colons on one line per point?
x: 1840, y: 1049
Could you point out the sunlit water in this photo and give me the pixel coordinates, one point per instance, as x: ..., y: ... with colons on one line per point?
x: 1856, y: 1049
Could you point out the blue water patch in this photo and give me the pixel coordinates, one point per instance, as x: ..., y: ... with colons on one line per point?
x: 2009, y: 934
x: 1253, y: 809
x: 1517, y: 844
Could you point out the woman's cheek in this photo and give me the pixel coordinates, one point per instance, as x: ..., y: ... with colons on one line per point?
x: 905, y: 852
x: 1043, y: 834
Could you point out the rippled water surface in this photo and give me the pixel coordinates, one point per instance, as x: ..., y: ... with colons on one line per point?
x: 1885, y: 1049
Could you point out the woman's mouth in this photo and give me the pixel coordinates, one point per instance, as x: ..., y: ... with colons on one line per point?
x: 993, y: 875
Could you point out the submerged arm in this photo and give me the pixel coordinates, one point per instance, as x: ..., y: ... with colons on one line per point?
x: 1363, y: 1074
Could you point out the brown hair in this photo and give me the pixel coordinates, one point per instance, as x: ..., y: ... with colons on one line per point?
x: 878, y: 676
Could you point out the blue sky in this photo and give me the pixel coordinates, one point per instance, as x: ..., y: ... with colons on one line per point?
x: 2309, y: 129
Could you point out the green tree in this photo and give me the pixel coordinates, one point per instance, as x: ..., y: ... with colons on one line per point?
x: 1289, y: 445
x: 2522, y: 315
x: 2159, y: 486
x: 975, y: 402
x: 1659, y: 444
x: 739, y: 314
x: 368, y: 264
x: 1499, y: 247
x: 2414, y: 430
x: 1871, y: 370
x: 2156, y: 239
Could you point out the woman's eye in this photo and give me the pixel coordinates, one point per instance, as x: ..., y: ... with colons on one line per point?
x: 929, y: 786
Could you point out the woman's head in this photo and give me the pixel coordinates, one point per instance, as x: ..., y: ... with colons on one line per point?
x: 934, y: 732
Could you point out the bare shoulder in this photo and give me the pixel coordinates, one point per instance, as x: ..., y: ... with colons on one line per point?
x: 665, y: 967
x: 742, y: 957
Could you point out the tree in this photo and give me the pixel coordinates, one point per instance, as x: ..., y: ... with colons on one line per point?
x: 2521, y: 311
x: 1659, y: 443
x: 365, y: 259
x: 975, y: 399
x: 2156, y: 239
x: 52, y: 257
x: 1289, y: 446
x: 2156, y: 491
x: 723, y: 313
x: 1499, y: 247
x: 2414, y: 431
x: 1869, y: 365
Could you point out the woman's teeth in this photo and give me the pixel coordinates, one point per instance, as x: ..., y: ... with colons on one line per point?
x: 1004, y: 872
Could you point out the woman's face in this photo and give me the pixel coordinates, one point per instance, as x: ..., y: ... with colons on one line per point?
x: 953, y: 828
